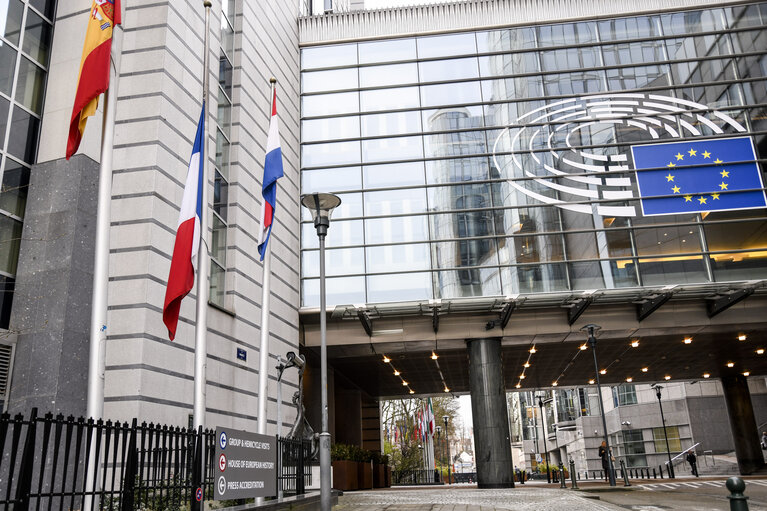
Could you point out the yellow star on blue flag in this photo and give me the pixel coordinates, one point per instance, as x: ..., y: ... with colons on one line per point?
x: 709, y: 175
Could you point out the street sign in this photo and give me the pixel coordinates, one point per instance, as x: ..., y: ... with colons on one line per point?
x: 247, y: 465
x: 242, y: 354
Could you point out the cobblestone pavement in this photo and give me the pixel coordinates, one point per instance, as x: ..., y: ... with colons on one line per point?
x: 470, y: 499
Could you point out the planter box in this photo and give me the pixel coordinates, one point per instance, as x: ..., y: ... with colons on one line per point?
x: 379, y: 476
x: 345, y: 475
x: 388, y: 477
x: 365, y: 471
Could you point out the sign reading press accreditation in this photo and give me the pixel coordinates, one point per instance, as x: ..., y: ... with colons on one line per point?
x: 246, y: 465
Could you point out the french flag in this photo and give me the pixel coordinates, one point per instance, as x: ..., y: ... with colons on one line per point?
x: 272, y: 172
x: 183, y: 264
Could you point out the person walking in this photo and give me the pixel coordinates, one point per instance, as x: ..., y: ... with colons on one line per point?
x: 692, y: 459
x: 603, y: 454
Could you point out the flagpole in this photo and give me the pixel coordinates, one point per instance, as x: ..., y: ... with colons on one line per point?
x: 98, y: 333
x: 263, y: 367
x: 201, y: 325
x: 98, y: 325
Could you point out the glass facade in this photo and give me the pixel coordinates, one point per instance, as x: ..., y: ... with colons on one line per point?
x: 499, y: 162
x: 26, y: 31
x: 624, y: 395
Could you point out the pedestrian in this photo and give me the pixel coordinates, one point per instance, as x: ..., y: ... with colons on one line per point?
x: 764, y: 440
x: 693, y: 461
x: 603, y: 454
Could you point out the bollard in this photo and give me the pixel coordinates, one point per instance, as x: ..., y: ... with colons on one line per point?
x: 562, y: 482
x: 737, y: 499
x: 587, y: 475
x: 654, y: 474
x: 573, y: 475
x: 625, y: 474
x: 660, y: 469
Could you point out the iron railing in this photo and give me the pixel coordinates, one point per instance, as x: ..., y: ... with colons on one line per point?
x: 55, y: 463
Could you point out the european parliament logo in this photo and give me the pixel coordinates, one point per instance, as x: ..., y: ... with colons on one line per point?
x: 697, y: 177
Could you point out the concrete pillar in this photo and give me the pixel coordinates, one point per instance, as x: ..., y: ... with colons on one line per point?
x: 743, y: 423
x: 489, y: 414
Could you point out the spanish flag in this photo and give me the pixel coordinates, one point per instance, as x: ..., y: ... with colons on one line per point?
x: 94, y: 67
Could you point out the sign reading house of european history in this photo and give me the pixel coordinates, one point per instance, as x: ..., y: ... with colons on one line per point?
x: 245, y: 465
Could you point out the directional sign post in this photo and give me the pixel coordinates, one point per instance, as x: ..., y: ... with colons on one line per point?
x: 247, y: 465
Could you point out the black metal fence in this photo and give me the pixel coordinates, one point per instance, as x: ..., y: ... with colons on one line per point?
x: 56, y: 463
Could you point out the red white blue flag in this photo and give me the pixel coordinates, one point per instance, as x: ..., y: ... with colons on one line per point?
x: 272, y: 172
x: 183, y: 264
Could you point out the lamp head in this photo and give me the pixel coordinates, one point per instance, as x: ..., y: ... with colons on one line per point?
x: 321, y: 206
x: 591, y: 329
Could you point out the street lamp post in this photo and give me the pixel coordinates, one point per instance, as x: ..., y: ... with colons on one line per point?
x: 439, y: 448
x: 545, y: 447
x: 321, y: 206
x: 591, y: 330
x: 658, y: 388
x: 447, y: 444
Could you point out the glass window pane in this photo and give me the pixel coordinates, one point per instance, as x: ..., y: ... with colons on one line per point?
x: 218, y: 245
x: 222, y: 153
x: 455, y: 144
x: 469, y: 196
x: 343, y: 261
x: 446, y: 45
x: 395, y: 202
x: 7, y: 68
x: 467, y: 282
x: 4, y: 111
x: 336, y: 153
x: 44, y: 6
x: 340, y: 234
x: 537, y: 278
x: 37, y: 38
x: 739, y: 266
x: 7, y: 286
x: 329, y: 56
x: 393, y: 74
x: 13, y: 195
x: 395, y: 258
x: 454, y: 69
x: 451, y: 94
x: 399, y: 287
x: 330, y: 104
x: 24, y: 132
x: 506, y: 40
x: 10, y: 241
x: 472, y: 252
x: 570, y: 58
x: 227, y: 38
x: 397, y: 229
x: 387, y: 51
x: 331, y: 180
x: 629, y: 28
x: 217, y: 284
x: 389, y: 99
x: 508, y: 64
x: 29, y: 89
x: 10, y: 21
x: 227, y: 7
x: 522, y: 249
x: 336, y: 79
x: 453, y: 118
x: 224, y: 116
x: 586, y: 275
x: 392, y: 149
x: 457, y: 170
x: 225, y: 74
x: 220, y: 196
x: 338, y: 291
x: 567, y: 33
x: 396, y: 174
x: 692, y: 22
x: 330, y: 129
x: 395, y: 123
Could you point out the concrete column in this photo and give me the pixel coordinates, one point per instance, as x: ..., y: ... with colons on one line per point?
x: 489, y: 414
x: 743, y: 423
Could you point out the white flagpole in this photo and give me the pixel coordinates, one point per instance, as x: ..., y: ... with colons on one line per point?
x: 201, y: 325
x: 98, y: 332
x: 263, y: 353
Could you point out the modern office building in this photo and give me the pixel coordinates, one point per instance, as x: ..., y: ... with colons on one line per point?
x: 486, y: 153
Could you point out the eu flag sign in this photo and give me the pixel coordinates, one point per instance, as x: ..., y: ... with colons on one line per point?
x: 699, y: 176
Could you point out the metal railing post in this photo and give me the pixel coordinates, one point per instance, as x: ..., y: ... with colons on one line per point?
x: 131, y: 469
x: 738, y: 501
x: 24, y: 485
x: 625, y: 474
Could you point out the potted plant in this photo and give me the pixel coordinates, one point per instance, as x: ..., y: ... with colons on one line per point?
x: 365, y: 467
x: 379, y: 469
x: 345, y: 471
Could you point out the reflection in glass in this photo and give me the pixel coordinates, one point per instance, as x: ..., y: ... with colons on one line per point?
x: 395, y: 123
x: 336, y: 153
x: 10, y: 241
x: 37, y: 38
x: 537, y: 278
x: 672, y: 270
x: 345, y: 233
x: 13, y: 195
x: 217, y: 284
x: 392, y: 74
x: 220, y: 196
x: 395, y: 202
x: 44, y: 6
x: 218, y: 241
x: 11, y: 27
x: 586, y: 275
x: 342, y: 261
x: 222, y: 153
x: 567, y: 33
x: 7, y: 67
x: 330, y: 104
x: 339, y: 290
x: 387, y: 51
x: 629, y: 28
x: 446, y: 45
x: 22, y: 142
x: 739, y: 266
x: 450, y: 94
x: 397, y: 229
x: 316, y: 130
x: 509, y: 39
x: 329, y: 56
x: 394, y: 174
x: 399, y: 287
x: 391, y: 258
x: 336, y: 79
x: 389, y: 99
x: 692, y: 22
x: 331, y: 180
x: 392, y: 149
x: 467, y: 282
x: 454, y: 69
x: 225, y: 74
x: 224, y: 116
